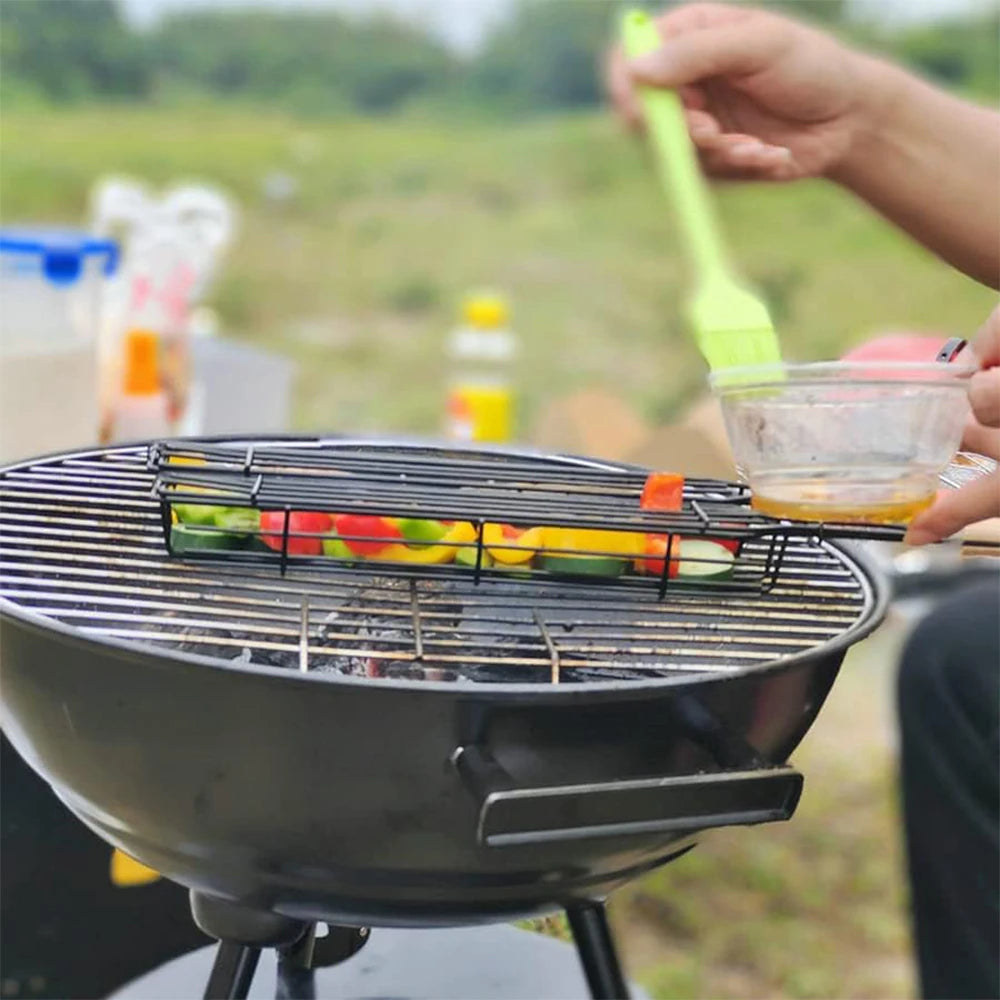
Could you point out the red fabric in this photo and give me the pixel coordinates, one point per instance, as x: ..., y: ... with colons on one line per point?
x: 897, y: 347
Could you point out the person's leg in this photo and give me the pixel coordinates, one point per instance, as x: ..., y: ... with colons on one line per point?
x: 949, y: 686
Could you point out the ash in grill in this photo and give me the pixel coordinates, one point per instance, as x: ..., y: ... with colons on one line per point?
x: 81, y: 543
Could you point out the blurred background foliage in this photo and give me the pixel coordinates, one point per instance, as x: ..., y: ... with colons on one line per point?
x: 543, y: 56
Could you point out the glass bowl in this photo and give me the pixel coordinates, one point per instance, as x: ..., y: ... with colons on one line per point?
x: 844, y: 441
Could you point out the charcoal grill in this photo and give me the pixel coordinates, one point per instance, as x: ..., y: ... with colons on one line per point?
x: 302, y: 741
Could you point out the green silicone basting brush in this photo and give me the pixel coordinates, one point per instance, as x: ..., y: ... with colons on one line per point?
x: 731, y: 325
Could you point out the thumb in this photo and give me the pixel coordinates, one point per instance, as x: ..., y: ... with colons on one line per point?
x: 707, y: 52
x: 955, y: 510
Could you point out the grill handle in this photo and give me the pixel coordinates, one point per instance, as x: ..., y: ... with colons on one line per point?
x: 515, y: 817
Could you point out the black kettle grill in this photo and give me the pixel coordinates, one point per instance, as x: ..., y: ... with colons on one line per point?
x: 297, y: 739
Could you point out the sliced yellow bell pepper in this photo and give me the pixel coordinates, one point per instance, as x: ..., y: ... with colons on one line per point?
x: 460, y: 533
x: 511, y: 549
x: 581, y: 542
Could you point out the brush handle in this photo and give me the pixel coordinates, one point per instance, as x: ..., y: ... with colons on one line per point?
x: 677, y: 163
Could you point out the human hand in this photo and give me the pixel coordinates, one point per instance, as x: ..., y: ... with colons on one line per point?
x: 765, y: 97
x: 980, y: 499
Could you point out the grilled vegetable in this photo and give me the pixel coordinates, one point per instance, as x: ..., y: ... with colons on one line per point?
x: 336, y: 549
x: 654, y: 554
x: 241, y: 520
x: 582, y: 565
x: 691, y: 559
x: 512, y: 546
x: 583, y: 542
x: 701, y: 559
x: 272, y: 527
x: 592, y: 552
x: 422, y: 531
x: 445, y: 551
x: 184, y: 538
x: 195, y: 513
x: 380, y: 533
x: 467, y: 557
x: 663, y: 491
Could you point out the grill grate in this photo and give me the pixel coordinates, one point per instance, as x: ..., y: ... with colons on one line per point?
x: 81, y: 543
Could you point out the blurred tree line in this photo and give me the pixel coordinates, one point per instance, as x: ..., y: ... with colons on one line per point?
x: 544, y: 56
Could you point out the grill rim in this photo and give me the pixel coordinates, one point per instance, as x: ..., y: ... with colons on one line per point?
x: 875, y: 592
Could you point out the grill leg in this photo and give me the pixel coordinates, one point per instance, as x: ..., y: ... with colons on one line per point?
x: 296, y: 978
x: 596, y: 949
x: 232, y: 971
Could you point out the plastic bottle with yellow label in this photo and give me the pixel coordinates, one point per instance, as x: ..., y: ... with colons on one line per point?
x: 482, y: 353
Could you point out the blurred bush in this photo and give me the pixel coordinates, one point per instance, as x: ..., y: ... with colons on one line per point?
x: 68, y: 50
x: 543, y: 56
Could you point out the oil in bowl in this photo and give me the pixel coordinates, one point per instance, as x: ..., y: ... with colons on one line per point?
x: 873, y: 498
x: 844, y: 442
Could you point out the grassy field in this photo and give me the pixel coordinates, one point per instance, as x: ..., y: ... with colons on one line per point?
x: 358, y: 279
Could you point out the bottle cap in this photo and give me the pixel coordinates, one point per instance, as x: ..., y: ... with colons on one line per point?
x: 485, y: 311
x: 142, y: 363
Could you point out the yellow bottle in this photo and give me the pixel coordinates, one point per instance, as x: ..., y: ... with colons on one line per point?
x: 480, y: 395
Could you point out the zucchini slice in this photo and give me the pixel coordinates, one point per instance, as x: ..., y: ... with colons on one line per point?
x: 582, y: 565
x: 184, y: 538
x: 702, y: 560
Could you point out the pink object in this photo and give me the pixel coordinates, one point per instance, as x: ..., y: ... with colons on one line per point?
x: 897, y: 347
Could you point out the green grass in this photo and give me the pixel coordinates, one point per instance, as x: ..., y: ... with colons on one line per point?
x: 359, y: 277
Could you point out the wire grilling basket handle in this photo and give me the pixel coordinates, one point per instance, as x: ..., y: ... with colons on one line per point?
x: 515, y: 817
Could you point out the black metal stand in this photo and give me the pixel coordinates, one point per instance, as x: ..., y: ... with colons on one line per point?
x: 242, y: 932
x: 596, y: 949
x: 296, y: 973
x: 232, y: 972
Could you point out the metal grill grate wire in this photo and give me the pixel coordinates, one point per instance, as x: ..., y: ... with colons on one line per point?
x: 81, y: 543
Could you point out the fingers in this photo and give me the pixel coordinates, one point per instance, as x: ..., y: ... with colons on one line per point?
x: 724, y: 50
x: 986, y: 343
x: 703, y: 127
x: 693, y: 97
x: 981, y: 440
x: 621, y: 89
x: 984, y: 396
x: 744, y: 157
x: 952, y: 511
x: 733, y: 155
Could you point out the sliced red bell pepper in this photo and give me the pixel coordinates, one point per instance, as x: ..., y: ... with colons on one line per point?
x: 656, y: 553
x: 272, y: 529
x: 352, y: 527
x: 663, y: 491
x: 729, y: 544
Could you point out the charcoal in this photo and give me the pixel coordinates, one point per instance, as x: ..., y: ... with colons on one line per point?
x: 372, y: 616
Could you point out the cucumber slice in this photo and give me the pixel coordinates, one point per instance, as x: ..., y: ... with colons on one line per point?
x: 467, y: 557
x: 239, y: 520
x: 196, y: 513
x: 186, y: 539
x: 582, y: 565
x: 701, y: 560
x: 254, y: 543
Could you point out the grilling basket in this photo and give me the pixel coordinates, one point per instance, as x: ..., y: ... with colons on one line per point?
x: 477, y: 685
